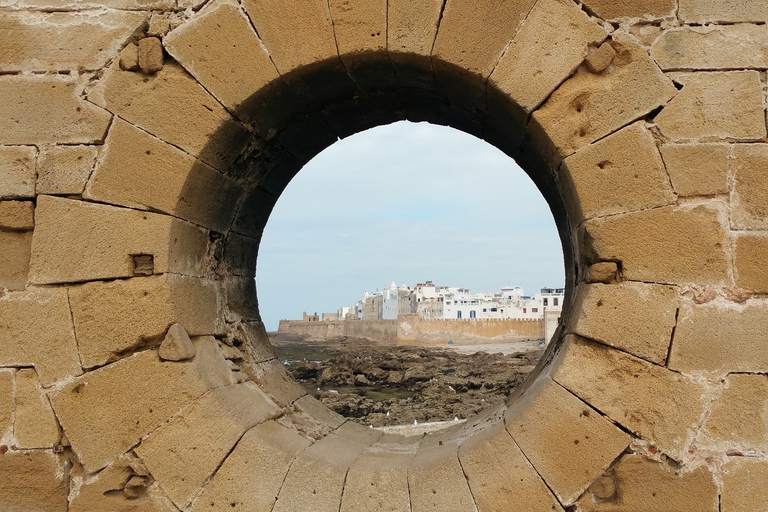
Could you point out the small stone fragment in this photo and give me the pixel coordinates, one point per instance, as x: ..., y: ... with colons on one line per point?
x: 159, y: 25
x: 136, y: 487
x: 176, y: 346
x: 603, y: 272
x: 599, y: 60
x: 17, y: 215
x: 129, y: 58
x: 143, y: 264
x: 603, y: 489
x: 150, y: 55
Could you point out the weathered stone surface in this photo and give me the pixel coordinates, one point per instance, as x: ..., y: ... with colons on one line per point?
x: 682, y: 244
x: 35, y: 425
x: 739, y: 417
x: 63, y: 170
x: 749, y: 256
x: 150, y: 56
x: 620, y: 173
x: 17, y: 215
x: 271, y: 376
x: 411, y: 30
x: 93, y: 4
x: 138, y: 170
x: 644, y: 9
x: 713, y: 47
x: 436, y: 481
x: 697, y: 169
x: 7, y: 403
x: 715, y: 106
x: 107, y: 411
x: 644, y: 484
x: 617, y: 315
x: 744, y: 488
x: 113, y: 318
x: 17, y: 172
x: 63, y: 41
x: 659, y: 405
x: 186, y: 451
x: 48, y: 110
x: 167, y: 100
x: 14, y: 259
x: 749, y: 200
x: 598, y: 60
x: 33, y: 480
x: 589, y: 106
x: 568, y: 442
x: 176, y: 345
x: 548, y: 47
x: 244, y: 481
x: 129, y: 57
x: 159, y: 25
x: 316, y: 478
x: 499, y: 474
x: 36, y: 330
x: 604, y: 272
x: 705, y: 11
x: 312, y: 406
x: 78, y: 241
x: 721, y: 337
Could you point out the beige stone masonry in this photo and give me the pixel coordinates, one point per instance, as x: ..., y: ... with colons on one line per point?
x: 721, y: 337
x: 567, y: 441
x: 590, y: 106
x: 17, y: 215
x: 77, y: 5
x: 33, y: 480
x: 411, y: 31
x: 617, y: 315
x: 17, y: 172
x: 644, y: 484
x: 436, y: 481
x: 707, y: 11
x: 140, y: 171
x: 48, y: 110
x: 34, y: 425
x: 697, y: 169
x: 271, y: 376
x: 113, y: 318
x: 257, y: 487
x: 605, y: 272
x: 749, y: 195
x: 319, y: 412
x: 713, y: 47
x: 36, y: 330
x: 63, y: 41
x: 739, y: 417
x: 744, y: 487
x: 163, y: 102
x: 92, y: 409
x: 749, y: 255
x: 63, y: 170
x: 186, y: 451
x: 79, y: 241
x: 644, y: 9
x: 715, y: 106
x: 14, y: 259
x: 620, y: 173
x: 665, y: 245
x: 661, y: 406
x: 7, y: 403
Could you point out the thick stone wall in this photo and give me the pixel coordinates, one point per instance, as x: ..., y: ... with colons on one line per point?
x: 143, y: 144
x: 411, y: 329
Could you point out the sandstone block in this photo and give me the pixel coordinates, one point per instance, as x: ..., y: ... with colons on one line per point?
x: 78, y: 241
x: 14, y: 259
x: 436, y: 480
x: 598, y: 60
x: 7, y: 403
x: 150, y: 55
x: 548, y: 47
x: 605, y: 272
x: 271, y: 376
x: 749, y: 199
x: 617, y: 315
x: 33, y: 480
x: 739, y: 417
x: 129, y: 57
x: 720, y: 337
x: 63, y: 170
x: 159, y: 25
x: 176, y: 345
x: 681, y: 244
x: 35, y: 425
x: 36, y: 330
x: 109, y: 410
x: 171, y: 98
x: 140, y: 171
x: 748, y: 259
x: 257, y: 341
x: 728, y: 105
x: 644, y: 484
x: 17, y: 172
x: 659, y: 405
x: 47, y: 109
x: 697, y: 169
x: 113, y: 318
x: 713, y: 47
x: 319, y: 412
x: 17, y: 215
x: 567, y: 441
x: 589, y: 106
x: 411, y: 30
x: 644, y: 9
x: 257, y: 487
x: 744, y: 487
x: 499, y: 474
x: 706, y: 11
x: 378, y: 479
x: 63, y: 41
x: 620, y: 173
x: 240, y: 254
x: 184, y: 453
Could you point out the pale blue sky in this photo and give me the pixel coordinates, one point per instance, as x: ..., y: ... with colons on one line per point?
x: 407, y: 203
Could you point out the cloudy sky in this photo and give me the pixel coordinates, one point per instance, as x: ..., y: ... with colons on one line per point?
x: 406, y: 203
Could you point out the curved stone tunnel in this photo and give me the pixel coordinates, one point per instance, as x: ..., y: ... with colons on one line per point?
x: 144, y: 143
